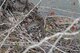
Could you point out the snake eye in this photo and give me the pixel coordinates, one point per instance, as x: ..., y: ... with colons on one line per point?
x: 74, y: 3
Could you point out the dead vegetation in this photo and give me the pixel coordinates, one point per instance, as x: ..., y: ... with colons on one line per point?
x: 24, y: 30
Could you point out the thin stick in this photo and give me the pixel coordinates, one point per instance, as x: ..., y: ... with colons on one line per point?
x: 63, y: 33
x: 2, y: 4
x: 12, y: 29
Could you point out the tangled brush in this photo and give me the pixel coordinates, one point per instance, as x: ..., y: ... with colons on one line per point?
x: 24, y: 30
